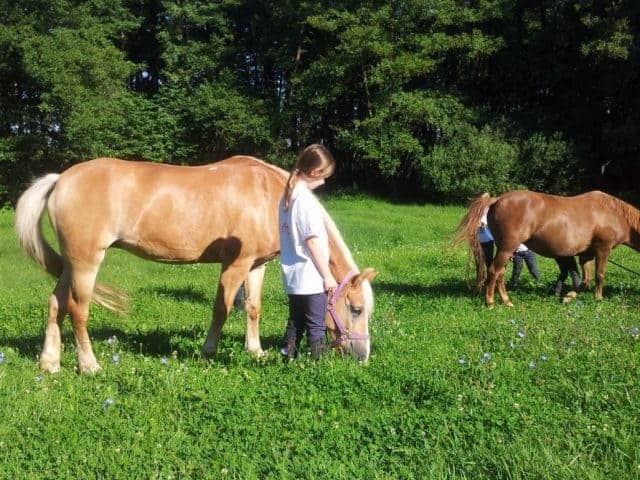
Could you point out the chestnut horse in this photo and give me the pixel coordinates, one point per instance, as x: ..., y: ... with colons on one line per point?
x: 588, y: 225
x: 226, y: 212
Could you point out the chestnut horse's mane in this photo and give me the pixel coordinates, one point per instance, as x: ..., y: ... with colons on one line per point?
x: 630, y: 213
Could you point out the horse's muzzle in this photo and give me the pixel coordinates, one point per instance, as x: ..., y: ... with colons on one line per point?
x: 359, y: 349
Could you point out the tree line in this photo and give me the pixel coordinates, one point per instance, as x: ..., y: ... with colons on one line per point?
x: 417, y: 99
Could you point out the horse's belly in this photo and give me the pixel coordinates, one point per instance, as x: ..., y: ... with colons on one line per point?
x: 163, y: 252
x: 555, y: 249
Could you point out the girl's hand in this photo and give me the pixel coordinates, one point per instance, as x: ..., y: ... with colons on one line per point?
x: 330, y: 285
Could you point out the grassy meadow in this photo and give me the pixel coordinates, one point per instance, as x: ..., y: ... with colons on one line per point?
x: 452, y: 390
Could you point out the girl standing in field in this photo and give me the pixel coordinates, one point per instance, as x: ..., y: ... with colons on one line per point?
x: 304, y: 252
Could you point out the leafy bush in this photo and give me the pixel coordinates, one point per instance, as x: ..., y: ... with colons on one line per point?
x: 548, y: 164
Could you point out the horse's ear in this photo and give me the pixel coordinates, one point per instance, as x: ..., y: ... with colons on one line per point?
x: 367, y: 274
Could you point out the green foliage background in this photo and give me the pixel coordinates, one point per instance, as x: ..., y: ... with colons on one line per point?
x: 418, y: 99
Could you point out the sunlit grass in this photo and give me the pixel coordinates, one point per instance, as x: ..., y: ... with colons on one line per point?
x: 452, y: 390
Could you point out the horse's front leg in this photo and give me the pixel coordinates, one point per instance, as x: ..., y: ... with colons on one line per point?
x: 602, y: 255
x: 586, y: 262
x: 231, y: 278
x: 253, y: 304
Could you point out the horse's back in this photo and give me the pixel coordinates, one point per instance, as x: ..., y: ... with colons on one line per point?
x: 553, y: 225
x: 169, y: 212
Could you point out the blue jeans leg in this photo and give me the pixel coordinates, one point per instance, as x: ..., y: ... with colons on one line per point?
x: 306, y: 312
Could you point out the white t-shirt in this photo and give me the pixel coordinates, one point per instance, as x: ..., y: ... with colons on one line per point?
x: 303, y: 220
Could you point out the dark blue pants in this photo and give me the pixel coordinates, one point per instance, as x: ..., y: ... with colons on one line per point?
x: 306, y: 312
x: 487, y: 250
x: 530, y: 259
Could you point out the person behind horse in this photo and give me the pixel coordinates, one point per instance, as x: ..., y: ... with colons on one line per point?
x: 304, y: 252
x: 521, y: 254
x: 486, y: 239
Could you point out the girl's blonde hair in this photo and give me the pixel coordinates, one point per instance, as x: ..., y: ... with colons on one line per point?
x: 314, y: 161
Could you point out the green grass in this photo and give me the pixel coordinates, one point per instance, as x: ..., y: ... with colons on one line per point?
x: 556, y: 396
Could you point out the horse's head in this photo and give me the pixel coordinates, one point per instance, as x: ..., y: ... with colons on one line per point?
x: 349, y: 312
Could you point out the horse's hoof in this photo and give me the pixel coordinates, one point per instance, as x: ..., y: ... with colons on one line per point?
x: 91, y: 369
x: 51, y: 367
x: 569, y: 297
x: 490, y: 306
x: 259, y: 353
x: 208, y: 353
x: 209, y: 350
x: 509, y: 304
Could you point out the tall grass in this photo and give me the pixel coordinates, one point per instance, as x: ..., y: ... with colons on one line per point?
x: 452, y: 390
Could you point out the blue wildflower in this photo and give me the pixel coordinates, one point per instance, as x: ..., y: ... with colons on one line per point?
x: 2, y: 357
x: 520, y: 333
x: 112, y: 339
x: 461, y: 361
x: 634, y: 331
x: 108, y: 402
x: 512, y: 321
x: 512, y: 345
x: 39, y: 378
x: 115, y: 358
x: 486, y: 357
x: 164, y: 361
x: 543, y: 358
x: 532, y: 364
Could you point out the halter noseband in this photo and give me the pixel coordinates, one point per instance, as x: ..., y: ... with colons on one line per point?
x: 342, y: 331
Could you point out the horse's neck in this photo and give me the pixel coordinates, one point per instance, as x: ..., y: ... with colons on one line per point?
x: 632, y: 217
x: 340, y: 261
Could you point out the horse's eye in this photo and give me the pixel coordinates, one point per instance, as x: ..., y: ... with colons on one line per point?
x: 356, y: 310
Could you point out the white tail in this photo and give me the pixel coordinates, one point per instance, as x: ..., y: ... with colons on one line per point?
x: 29, y: 210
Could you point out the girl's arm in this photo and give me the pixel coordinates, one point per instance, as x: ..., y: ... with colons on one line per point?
x: 322, y: 264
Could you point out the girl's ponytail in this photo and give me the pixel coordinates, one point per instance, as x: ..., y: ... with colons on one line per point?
x: 291, y: 183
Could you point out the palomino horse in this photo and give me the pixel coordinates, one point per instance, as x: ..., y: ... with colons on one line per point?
x: 588, y: 225
x: 225, y: 213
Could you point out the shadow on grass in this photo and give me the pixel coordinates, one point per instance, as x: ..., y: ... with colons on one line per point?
x: 186, y: 343
x: 187, y: 294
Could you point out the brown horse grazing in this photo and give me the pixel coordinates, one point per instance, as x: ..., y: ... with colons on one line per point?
x: 225, y: 213
x: 588, y: 225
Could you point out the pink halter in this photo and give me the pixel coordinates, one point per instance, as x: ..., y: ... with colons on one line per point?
x: 342, y: 331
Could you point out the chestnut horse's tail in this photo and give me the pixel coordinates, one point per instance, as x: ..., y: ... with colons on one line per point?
x: 468, y: 232
x: 29, y: 210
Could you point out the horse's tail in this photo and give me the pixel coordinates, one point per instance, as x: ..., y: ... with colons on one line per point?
x: 29, y: 211
x: 468, y: 232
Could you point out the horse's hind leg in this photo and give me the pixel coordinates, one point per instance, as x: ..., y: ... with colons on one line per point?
x: 50, y: 356
x: 497, y: 278
x: 253, y: 303
x: 82, y: 284
x: 230, y: 279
